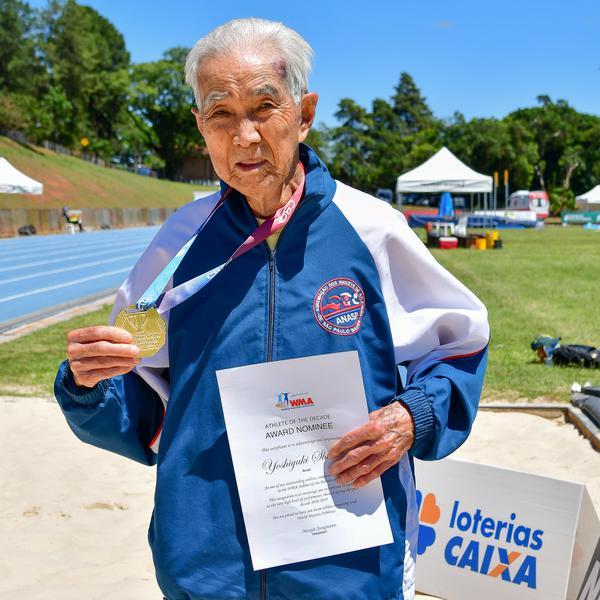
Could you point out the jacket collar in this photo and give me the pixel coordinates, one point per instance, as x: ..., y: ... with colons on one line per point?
x: 319, y: 189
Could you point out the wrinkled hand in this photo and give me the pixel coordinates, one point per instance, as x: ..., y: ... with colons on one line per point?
x: 366, y: 452
x: 97, y: 353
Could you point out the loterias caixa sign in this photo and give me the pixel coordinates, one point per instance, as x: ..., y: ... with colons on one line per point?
x: 499, y: 534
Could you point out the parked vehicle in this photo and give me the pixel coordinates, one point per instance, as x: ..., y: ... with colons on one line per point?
x: 385, y: 195
x: 536, y: 201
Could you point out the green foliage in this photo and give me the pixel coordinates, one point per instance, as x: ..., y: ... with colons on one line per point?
x: 410, y: 107
x: 20, y: 63
x: 317, y: 139
x: 550, y: 147
x: 54, y: 115
x: 539, y: 283
x: 567, y: 154
x: 28, y: 364
x: 160, y: 106
x: 561, y: 199
x: 351, y: 160
x: 87, y: 63
x: 12, y: 115
x: 370, y: 149
x: 65, y: 74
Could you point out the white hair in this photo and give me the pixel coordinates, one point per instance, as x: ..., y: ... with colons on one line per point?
x: 246, y: 34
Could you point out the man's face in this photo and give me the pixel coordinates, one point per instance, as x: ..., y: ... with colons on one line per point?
x: 250, y: 122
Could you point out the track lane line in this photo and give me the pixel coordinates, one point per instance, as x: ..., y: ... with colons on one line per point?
x: 56, y: 260
x: 50, y: 242
x: 65, y: 250
x: 73, y: 268
x: 63, y: 285
x: 34, y: 245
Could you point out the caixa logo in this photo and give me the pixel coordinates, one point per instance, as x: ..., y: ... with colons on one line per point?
x: 287, y: 400
x: 501, y: 548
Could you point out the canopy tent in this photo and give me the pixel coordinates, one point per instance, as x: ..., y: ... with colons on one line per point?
x: 12, y: 181
x: 443, y: 172
x: 591, y: 197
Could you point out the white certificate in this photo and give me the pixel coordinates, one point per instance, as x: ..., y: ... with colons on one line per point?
x: 281, y: 419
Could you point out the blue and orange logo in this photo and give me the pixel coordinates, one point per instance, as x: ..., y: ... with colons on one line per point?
x: 429, y: 515
x: 339, y: 306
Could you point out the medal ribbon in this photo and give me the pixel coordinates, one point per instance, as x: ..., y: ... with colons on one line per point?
x: 183, y: 291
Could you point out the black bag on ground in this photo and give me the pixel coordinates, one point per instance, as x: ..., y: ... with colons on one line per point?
x: 576, y: 354
x: 589, y: 404
x: 27, y: 230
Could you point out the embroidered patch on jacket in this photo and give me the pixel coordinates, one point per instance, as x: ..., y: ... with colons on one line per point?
x: 339, y: 306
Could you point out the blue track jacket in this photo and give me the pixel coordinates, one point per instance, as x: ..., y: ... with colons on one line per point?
x: 347, y: 274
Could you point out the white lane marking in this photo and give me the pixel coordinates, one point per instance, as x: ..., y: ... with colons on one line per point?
x: 60, y: 240
x: 73, y: 268
x: 69, y: 250
x: 75, y: 255
x: 63, y: 285
x: 57, y: 242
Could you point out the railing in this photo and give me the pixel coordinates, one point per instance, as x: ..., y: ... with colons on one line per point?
x: 48, y: 220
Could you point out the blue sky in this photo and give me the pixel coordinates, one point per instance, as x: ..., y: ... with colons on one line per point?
x: 481, y: 58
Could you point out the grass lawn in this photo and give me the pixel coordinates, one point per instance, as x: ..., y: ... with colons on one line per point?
x: 28, y: 364
x: 70, y: 181
x: 541, y: 282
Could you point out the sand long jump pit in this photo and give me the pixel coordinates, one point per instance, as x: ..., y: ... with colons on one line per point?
x: 74, y: 518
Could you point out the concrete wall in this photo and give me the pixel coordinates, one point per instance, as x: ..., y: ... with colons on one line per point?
x: 48, y: 220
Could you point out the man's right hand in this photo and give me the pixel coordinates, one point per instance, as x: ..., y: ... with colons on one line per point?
x: 100, y: 352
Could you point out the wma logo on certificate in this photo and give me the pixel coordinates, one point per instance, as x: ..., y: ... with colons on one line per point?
x: 287, y: 400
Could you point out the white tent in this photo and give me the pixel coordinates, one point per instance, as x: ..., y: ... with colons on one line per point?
x: 443, y: 172
x: 13, y: 181
x: 591, y: 197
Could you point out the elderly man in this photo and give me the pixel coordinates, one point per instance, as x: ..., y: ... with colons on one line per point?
x: 346, y: 273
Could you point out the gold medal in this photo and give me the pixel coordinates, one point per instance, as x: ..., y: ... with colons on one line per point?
x: 147, y: 327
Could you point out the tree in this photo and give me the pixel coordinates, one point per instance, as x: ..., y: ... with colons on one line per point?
x: 20, y: 65
x: 370, y: 149
x: 318, y: 140
x: 489, y: 145
x: 389, y: 146
x: 159, y: 106
x: 410, y: 106
x: 12, y: 117
x: 352, y: 146
x: 87, y: 62
x: 568, y: 157
x: 22, y: 73
x: 54, y: 117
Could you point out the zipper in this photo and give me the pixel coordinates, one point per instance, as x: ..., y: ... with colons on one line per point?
x: 270, y: 335
x: 271, y: 331
x: 263, y: 584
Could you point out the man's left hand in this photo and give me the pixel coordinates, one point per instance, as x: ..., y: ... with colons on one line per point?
x: 366, y: 452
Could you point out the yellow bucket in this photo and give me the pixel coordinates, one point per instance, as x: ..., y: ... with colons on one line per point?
x: 491, y: 237
x: 480, y: 244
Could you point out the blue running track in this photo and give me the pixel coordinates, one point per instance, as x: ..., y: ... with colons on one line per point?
x: 41, y: 274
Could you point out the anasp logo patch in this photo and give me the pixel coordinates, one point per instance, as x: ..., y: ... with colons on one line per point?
x: 339, y: 306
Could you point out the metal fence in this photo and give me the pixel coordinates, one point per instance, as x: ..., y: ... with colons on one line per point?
x: 48, y: 220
